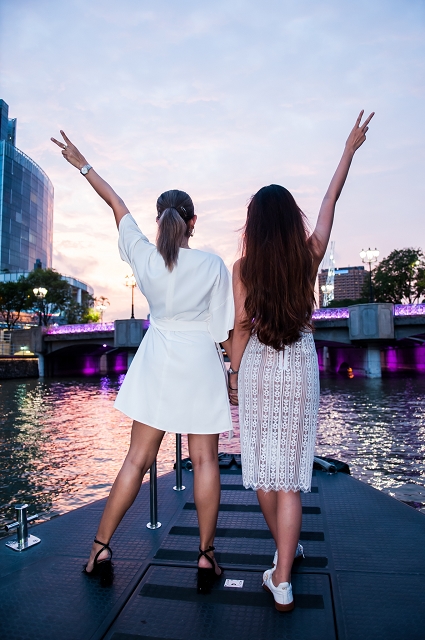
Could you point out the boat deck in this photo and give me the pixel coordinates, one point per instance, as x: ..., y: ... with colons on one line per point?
x: 363, y: 576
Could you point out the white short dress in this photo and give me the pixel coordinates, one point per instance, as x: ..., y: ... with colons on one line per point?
x: 177, y: 380
x: 278, y: 410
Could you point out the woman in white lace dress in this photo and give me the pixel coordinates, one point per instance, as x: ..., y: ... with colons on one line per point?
x: 274, y: 372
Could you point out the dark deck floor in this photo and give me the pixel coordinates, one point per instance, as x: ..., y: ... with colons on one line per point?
x: 363, y: 577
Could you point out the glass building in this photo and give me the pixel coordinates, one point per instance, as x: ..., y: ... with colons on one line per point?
x: 26, y: 205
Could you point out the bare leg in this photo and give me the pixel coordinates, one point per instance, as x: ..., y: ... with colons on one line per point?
x: 203, y: 451
x: 144, y: 445
x: 289, y: 517
x: 268, y: 504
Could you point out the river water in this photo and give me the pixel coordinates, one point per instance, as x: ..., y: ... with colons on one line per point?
x: 62, y: 442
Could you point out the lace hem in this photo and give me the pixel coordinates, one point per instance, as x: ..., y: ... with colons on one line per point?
x: 267, y: 488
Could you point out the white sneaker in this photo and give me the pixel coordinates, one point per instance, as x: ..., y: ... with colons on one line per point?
x: 282, y: 594
x: 299, y: 553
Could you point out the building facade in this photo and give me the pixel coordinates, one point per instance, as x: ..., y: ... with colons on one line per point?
x: 26, y: 205
x: 348, y: 283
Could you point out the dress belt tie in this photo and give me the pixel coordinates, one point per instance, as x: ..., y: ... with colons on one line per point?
x: 165, y: 324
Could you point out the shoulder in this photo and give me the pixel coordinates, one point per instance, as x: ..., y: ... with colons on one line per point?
x: 237, y: 268
x: 129, y: 230
x: 211, y: 259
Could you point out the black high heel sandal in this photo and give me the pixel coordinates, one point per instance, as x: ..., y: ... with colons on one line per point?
x: 207, y: 577
x: 104, y: 569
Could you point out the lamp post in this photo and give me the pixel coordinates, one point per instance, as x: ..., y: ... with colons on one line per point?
x: 130, y: 281
x: 40, y: 294
x: 368, y: 257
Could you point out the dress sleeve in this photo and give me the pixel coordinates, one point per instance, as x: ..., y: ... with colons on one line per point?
x: 129, y: 236
x: 222, y: 307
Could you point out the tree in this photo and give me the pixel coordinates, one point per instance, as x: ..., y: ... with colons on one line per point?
x: 346, y: 302
x: 14, y: 299
x: 400, y: 278
x: 58, y: 297
x: 102, y: 303
x: 84, y: 313
x: 90, y: 315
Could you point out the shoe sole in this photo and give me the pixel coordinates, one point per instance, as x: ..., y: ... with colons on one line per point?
x: 280, y: 607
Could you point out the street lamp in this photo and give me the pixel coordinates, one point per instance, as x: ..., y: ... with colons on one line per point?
x: 40, y: 294
x: 368, y: 257
x: 130, y: 281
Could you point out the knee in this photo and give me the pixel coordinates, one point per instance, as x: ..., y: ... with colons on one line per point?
x: 204, y: 458
x: 137, y: 462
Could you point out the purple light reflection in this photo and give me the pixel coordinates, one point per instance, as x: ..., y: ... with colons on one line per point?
x: 409, y: 309
x: 391, y: 359
x: 319, y: 314
x: 94, y: 327
x: 330, y: 314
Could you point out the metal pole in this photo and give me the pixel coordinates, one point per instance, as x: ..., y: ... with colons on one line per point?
x: 22, y: 526
x: 132, y: 301
x: 370, y: 283
x: 24, y: 540
x: 179, y: 486
x: 153, y: 524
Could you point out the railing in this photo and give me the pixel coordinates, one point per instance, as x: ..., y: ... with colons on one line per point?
x: 93, y: 327
x: 337, y: 313
x: 25, y: 540
x: 334, y: 313
x: 153, y: 489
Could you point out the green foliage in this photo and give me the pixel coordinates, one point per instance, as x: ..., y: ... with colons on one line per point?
x: 14, y: 299
x: 90, y: 315
x: 346, y: 302
x: 58, y: 297
x: 400, y: 278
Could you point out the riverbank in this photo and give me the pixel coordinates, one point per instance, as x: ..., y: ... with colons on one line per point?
x: 18, y: 367
x: 62, y: 442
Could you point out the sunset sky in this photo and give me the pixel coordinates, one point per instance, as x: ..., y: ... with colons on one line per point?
x: 218, y: 98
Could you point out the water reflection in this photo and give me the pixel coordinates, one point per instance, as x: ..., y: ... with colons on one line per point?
x: 378, y: 428
x: 63, y: 443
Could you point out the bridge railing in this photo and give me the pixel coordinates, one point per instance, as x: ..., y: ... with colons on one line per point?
x: 326, y: 313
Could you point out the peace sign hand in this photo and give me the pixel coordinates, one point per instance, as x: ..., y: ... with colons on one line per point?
x: 358, y: 133
x: 70, y: 151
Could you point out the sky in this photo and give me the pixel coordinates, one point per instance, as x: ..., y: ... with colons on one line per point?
x: 218, y: 98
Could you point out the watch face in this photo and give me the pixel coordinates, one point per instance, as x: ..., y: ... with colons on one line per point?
x: 84, y: 171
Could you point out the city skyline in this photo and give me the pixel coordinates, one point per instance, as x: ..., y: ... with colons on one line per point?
x: 218, y: 101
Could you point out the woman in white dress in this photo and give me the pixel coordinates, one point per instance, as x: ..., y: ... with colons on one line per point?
x: 177, y: 380
x: 274, y: 371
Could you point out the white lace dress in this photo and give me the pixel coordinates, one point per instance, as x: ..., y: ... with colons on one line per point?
x: 278, y: 408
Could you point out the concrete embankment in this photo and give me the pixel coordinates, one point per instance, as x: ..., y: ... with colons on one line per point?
x: 18, y: 367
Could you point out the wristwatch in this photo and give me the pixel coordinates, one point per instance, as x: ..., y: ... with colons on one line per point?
x: 84, y: 170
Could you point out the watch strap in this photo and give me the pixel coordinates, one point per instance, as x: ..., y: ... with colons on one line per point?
x: 84, y: 170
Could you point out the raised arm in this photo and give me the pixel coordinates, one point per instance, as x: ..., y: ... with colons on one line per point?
x: 320, y: 237
x: 102, y: 188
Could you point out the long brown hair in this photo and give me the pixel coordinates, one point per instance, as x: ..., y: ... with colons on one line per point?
x: 175, y: 210
x: 277, y: 268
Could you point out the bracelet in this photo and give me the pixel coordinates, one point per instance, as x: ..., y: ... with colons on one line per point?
x: 230, y: 371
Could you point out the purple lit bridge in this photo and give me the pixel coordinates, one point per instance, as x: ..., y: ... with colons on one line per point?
x: 363, y: 340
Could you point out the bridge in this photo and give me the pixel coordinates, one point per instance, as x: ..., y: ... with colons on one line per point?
x: 363, y: 339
